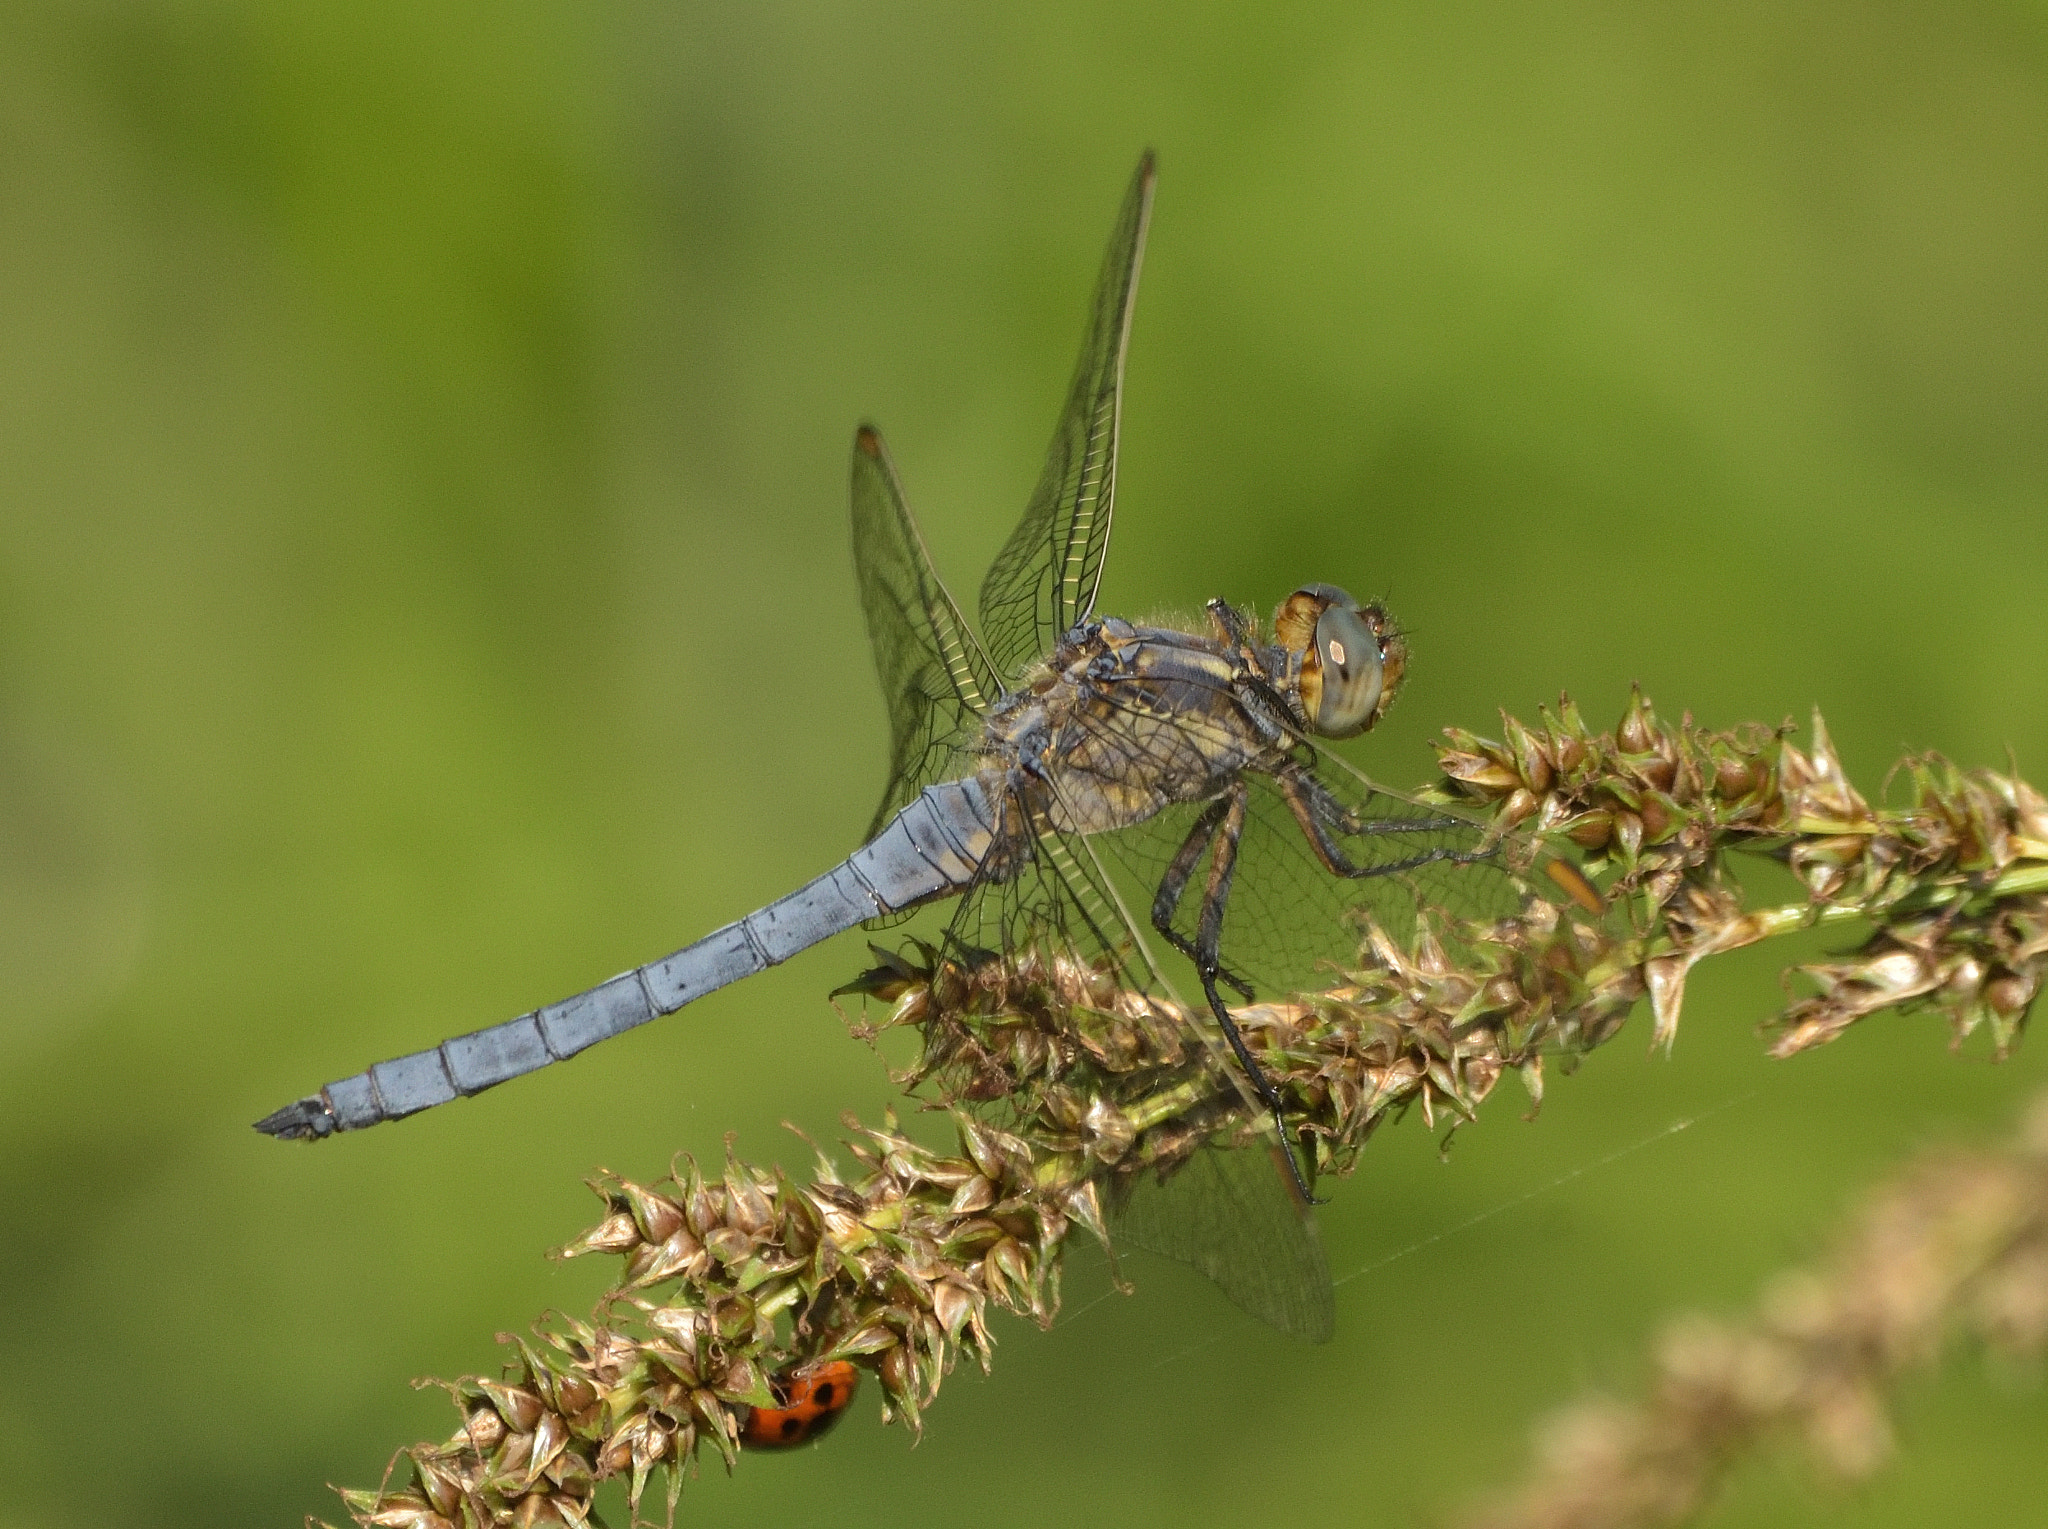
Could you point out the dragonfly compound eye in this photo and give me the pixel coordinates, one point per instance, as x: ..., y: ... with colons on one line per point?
x: 1353, y: 678
x: 1350, y: 658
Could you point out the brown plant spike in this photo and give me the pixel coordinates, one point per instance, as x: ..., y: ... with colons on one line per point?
x: 1062, y: 1087
x: 1957, y: 1246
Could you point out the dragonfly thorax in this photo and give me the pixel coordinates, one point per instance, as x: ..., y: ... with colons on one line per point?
x: 1122, y: 721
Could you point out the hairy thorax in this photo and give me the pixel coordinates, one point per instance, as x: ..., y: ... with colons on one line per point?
x: 1121, y: 721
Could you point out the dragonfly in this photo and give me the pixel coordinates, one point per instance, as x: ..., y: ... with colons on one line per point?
x: 1051, y: 769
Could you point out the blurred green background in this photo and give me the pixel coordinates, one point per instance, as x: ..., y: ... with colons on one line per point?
x: 424, y: 592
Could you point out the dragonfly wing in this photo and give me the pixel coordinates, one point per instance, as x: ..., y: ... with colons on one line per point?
x: 1045, y: 578
x: 1231, y: 1215
x: 1419, y: 856
x: 1049, y: 898
x: 936, y: 679
x: 1292, y: 925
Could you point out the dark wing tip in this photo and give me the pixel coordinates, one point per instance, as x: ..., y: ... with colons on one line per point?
x: 867, y: 440
x: 301, y: 1120
x: 1148, y: 165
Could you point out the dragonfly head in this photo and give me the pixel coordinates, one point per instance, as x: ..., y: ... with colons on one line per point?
x: 1349, y: 658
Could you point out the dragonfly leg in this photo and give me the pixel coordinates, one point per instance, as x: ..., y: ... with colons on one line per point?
x: 1174, y: 884
x: 1228, y: 830
x: 1228, y: 624
x: 1322, y: 819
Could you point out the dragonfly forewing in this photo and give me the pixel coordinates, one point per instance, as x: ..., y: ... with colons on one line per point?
x: 1290, y: 926
x: 1044, y: 581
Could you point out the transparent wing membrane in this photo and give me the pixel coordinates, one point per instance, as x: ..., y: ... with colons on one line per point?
x: 936, y: 681
x: 1290, y: 925
x: 1044, y: 580
x: 1219, y: 1215
x: 1231, y: 1212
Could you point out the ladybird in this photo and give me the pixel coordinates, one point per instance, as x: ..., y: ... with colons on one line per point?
x: 808, y: 1401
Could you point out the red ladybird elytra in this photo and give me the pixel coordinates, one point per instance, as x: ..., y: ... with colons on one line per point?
x: 809, y: 1401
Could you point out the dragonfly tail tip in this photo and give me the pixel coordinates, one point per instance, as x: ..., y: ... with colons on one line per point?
x: 301, y: 1120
